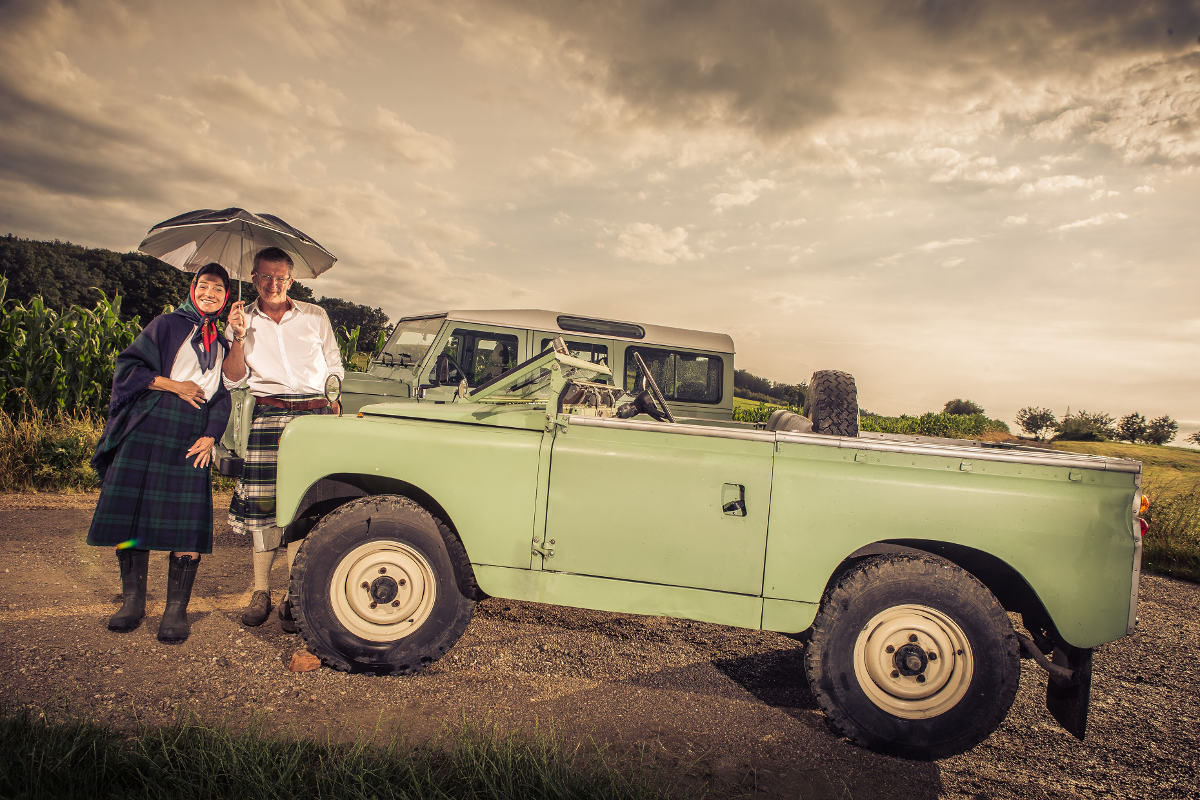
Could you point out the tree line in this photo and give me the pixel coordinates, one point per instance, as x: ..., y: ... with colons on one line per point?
x: 1099, y: 426
x: 752, y: 387
x: 66, y: 275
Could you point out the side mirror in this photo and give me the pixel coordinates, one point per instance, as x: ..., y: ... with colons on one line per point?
x: 333, y: 390
x: 441, y: 370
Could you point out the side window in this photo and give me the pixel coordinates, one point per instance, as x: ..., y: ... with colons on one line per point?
x: 479, y: 356
x: 683, y: 377
x: 588, y: 351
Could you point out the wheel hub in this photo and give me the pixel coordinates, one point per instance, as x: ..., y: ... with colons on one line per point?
x: 910, y: 660
x: 913, y: 661
x: 383, y: 590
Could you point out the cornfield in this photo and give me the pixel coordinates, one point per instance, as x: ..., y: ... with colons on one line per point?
x: 59, y: 363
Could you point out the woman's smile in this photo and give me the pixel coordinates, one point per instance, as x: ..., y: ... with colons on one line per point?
x: 210, y: 295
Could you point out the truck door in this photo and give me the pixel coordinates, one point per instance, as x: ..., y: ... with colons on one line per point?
x: 660, y: 504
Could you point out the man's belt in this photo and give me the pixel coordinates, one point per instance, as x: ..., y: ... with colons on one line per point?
x: 293, y: 405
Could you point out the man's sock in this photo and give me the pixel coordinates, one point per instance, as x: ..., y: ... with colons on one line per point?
x: 262, y: 570
x: 292, y: 548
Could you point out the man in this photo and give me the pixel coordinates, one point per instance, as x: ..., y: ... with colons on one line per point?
x: 283, y: 350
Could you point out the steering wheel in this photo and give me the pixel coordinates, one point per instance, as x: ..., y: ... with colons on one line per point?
x: 650, y: 400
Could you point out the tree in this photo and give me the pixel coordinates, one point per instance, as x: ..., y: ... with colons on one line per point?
x: 1194, y: 438
x: 1083, y: 426
x: 1162, y: 430
x: 964, y: 407
x: 1036, y: 421
x: 1132, y: 427
x: 346, y: 316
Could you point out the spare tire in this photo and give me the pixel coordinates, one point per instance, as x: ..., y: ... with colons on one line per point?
x: 833, y: 403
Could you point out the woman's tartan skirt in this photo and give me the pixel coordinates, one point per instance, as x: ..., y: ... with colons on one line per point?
x: 252, y: 509
x: 152, y: 497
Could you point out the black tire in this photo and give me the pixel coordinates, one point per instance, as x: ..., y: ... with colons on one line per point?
x: 833, y: 403
x: 939, y: 705
x: 415, y: 572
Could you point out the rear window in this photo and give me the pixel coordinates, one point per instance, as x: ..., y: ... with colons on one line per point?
x: 601, y: 327
x: 683, y: 377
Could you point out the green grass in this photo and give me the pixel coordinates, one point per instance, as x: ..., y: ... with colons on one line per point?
x: 1171, y: 477
x: 40, y: 451
x: 42, y: 759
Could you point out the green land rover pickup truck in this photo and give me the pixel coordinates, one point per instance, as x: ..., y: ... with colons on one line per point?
x: 896, y: 561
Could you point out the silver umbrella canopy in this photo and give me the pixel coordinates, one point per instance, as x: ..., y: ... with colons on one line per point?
x: 231, y: 237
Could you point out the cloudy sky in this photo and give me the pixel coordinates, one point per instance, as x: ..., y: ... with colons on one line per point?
x: 996, y: 201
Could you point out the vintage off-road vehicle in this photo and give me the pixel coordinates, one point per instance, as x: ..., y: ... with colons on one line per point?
x: 896, y: 560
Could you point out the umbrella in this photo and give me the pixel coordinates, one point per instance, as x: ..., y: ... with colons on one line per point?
x: 231, y: 237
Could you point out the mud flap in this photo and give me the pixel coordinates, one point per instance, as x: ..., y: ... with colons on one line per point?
x: 1068, y: 701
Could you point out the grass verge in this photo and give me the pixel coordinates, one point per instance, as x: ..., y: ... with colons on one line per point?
x: 40, y: 451
x: 43, y: 759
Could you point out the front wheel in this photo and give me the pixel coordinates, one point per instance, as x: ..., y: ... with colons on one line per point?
x: 381, y: 586
x: 913, y: 656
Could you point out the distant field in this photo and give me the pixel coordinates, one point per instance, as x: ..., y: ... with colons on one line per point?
x: 1171, y: 477
x: 744, y: 404
x: 1162, y: 466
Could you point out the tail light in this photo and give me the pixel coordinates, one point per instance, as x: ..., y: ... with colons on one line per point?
x: 1141, y: 506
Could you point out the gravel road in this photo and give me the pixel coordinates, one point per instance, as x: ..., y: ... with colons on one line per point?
x: 701, y: 707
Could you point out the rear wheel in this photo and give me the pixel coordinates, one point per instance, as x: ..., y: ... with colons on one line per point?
x: 833, y: 403
x: 381, y: 586
x: 913, y: 656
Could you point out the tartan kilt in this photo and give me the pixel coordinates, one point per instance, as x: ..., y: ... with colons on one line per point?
x: 252, y: 509
x: 152, y: 497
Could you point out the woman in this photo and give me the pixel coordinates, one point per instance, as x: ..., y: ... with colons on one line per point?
x: 168, y: 407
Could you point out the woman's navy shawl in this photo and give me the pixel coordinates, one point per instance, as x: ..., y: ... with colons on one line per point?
x: 151, y: 354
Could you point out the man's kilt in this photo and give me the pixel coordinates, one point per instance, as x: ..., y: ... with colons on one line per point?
x: 252, y: 509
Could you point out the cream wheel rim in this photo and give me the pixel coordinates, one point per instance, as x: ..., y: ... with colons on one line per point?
x: 913, y: 661
x: 382, y: 590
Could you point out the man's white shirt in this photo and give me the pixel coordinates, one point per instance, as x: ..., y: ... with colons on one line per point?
x: 293, y: 356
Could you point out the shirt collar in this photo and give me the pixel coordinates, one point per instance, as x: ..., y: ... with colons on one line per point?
x: 257, y: 309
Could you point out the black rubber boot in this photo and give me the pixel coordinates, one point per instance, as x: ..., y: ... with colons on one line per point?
x: 133, y: 590
x: 180, y: 576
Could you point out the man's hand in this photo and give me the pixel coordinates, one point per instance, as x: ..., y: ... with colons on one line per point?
x: 202, y: 450
x: 237, y: 319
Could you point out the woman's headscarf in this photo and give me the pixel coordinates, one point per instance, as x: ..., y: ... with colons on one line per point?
x: 206, y: 324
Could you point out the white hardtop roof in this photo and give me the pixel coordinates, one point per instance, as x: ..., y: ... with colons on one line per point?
x: 542, y: 320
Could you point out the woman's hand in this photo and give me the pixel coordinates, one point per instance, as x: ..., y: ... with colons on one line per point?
x: 188, y: 391
x: 202, y: 450
x: 237, y: 319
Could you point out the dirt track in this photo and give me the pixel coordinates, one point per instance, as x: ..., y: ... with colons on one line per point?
x: 707, y: 708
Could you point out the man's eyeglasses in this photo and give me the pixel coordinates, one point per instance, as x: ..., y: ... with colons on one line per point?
x: 276, y: 281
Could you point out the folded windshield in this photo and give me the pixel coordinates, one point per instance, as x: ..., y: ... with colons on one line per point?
x: 410, y: 340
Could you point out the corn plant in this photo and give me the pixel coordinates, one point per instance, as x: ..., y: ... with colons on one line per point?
x: 59, y: 362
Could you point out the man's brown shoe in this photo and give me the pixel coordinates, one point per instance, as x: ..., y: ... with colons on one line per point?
x: 259, y: 609
x: 286, y: 620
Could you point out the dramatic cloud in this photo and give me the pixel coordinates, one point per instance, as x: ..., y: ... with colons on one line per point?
x: 946, y: 198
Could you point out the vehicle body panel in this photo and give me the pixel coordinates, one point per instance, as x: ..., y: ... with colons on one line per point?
x: 1067, y: 531
x: 644, y: 506
x: 484, y: 476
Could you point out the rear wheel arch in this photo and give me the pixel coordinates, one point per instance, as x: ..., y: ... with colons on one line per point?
x: 1009, y: 587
